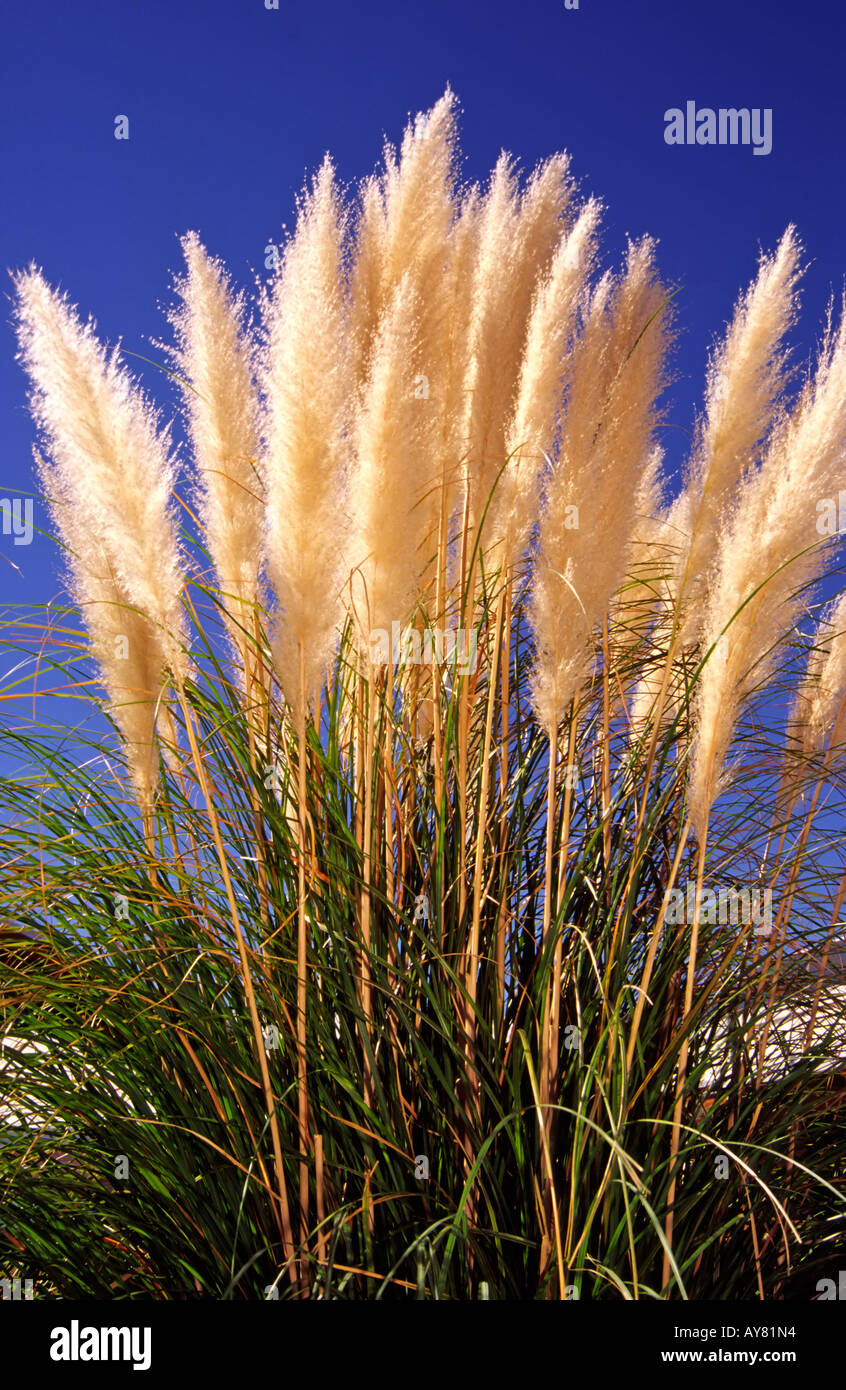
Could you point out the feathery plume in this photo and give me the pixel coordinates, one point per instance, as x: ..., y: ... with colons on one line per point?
x: 403, y: 226
x: 410, y: 227
x: 766, y: 555
x: 213, y: 357
x: 645, y: 614
x: 109, y: 476
x: 818, y: 707
x: 517, y: 239
x: 649, y: 566
x: 819, y: 703
x: 531, y: 432
x: 447, y: 404
x: 306, y: 375
x: 365, y: 277
x: 745, y: 384
x: 606, y: 448
x: 389, y: 441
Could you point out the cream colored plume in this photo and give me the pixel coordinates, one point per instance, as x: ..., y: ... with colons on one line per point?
x: 307, y: 380
x: 644, y: 617
x: 651, y: 559
x: 388, y: 519
x: 213, y: 358
x: 818, y: 709
x: 746, y: 381
x: 449, y: 405
x: 531, y: 433
x: 411, y: 228
x: 517, y: 238
x: 403, y: 227
x: 768, y: 551
x: 109, y: 476
x: 365, y: 276
x: 606, y: 451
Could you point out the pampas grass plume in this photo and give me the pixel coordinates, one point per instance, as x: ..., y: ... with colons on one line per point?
x: 213, y: 357
x: 307, y: 381
x: 766, y: 555
x: 606, y: 450
x: 107, y: 470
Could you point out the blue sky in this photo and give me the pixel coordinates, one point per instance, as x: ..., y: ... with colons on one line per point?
x: 232, y: 105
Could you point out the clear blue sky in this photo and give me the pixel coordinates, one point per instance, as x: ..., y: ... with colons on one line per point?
x: 231, y: 105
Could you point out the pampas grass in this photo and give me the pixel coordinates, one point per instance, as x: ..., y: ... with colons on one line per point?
x: 390, y: 444
x: 604, y: 453
x: 306, y: 384
x: 768, y: 553
x: 108, y: 473
x: 517, y: 237
x: 400, y: 931
x: 747, y: 378
x: 214, y: 360
x: 819, y: 704
x: 531, y: 433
